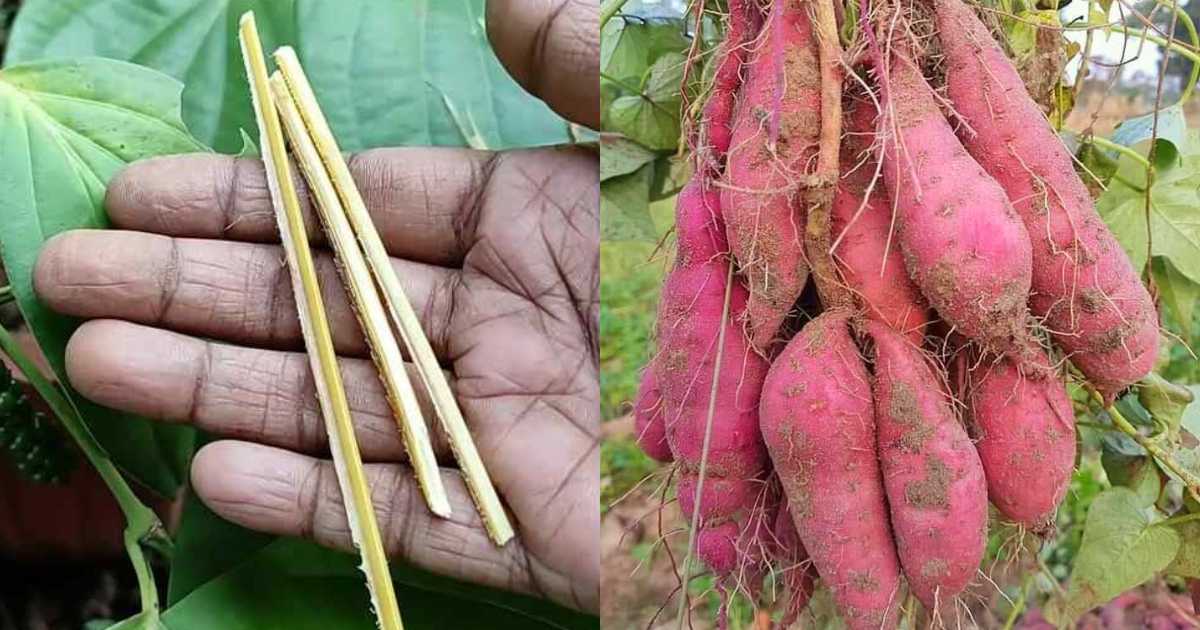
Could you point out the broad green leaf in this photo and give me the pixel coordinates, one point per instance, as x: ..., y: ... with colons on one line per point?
x: 1173, y: 219
x: 207, y: 546
x: 625, y: 207
x: 1178, y: 293
x: 629, y: 47
x: 1187, y: 561
x: 65, y: 128
x: 299, y: 586
x: 1121, y: 549
x: 1170, y: 134
x: 651, y: 117
x: 388, y: 72
x: 620, y: 156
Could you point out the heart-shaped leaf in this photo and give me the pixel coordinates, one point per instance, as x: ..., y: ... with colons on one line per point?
x: 65, y: 128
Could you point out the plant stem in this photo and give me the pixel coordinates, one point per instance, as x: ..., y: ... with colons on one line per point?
x: 1178, y: 520
x: 1019, y: 605
x: 1105, y: 143
x: 1190, y: 480
x: 1190, y: 86
x: 141, y: 523
x: 6, y: 294
x: 608, y: 9
x: 817, y: 236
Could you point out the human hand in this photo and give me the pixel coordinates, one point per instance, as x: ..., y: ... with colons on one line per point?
x: 193, y: 320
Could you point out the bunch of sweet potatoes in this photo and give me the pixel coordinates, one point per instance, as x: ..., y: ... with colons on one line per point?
x: 847, y: 451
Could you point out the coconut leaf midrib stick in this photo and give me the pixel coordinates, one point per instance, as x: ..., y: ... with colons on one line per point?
x: 400, y: 308
x: 335, y: 409
x: 385, y: 351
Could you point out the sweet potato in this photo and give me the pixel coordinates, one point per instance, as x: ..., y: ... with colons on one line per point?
x: 744, y: 22
x: 648, y: 422
x: 933, y: 477
x: 962, y: 242
x: 818, y: 421
x: 775, y: 133
x: 867, y: 255
x: 1092, y: 299
x: 689, y: 329
x: 1025, y: 436
x: 799, y: 577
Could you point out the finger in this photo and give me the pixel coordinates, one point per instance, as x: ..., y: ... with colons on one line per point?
x: 288, y: 494
x: 237, y: 292
x: 423, y: 200
x: 246, y: 393
x: 552, y: 48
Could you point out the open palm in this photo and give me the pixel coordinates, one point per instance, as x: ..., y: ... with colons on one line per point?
x: 193, y: 320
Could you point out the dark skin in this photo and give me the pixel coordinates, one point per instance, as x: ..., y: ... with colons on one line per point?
x: 192, y: 319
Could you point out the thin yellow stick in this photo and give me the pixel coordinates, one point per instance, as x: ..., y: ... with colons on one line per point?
x: 352, y: 478
x: 371, y: 315
x: 399, y: 308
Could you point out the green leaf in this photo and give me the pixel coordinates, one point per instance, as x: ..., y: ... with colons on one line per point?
x: 1178, y: 293
x: 620, y: 156
x: 651, y: 118
x: 1139, y: 474
x: 1121, y: 549
x: 65, y: 128
x: 1023, y: 30
x: 142, y: 621
x: 1164, y: 400
x: 207, y: 546
x: 629, y: 47
x: 1191, y: 415
x: 388, y: 72
x: 625, y: 207
x: 671, y: 173
x: 1170, y: 138
x: 1187, y: 561
x: 1173, y: 219
x: 299, y: 586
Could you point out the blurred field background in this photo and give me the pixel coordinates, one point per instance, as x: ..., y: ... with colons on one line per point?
x: 641, y: 578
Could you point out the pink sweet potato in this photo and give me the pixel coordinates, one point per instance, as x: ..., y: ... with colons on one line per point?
x: 775, y: 135
x: 818, y: 421
x: 934, y: 479
x: 744, y: 21
x: 1025, y: 435
x: 962, y: 242
x: 648, y: 422
x: 689, y: 329
x: 799, y: 577
x: 1083, y: 284
x: 867, y: 255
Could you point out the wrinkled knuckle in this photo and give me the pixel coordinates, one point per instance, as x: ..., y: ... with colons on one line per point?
x: 439, y: 310
x: 52, y: 264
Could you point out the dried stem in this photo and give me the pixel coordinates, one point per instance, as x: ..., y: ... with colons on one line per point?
x: 367, y: 305
x: 352, y: 478
x: 817, y: 232
x: 399, y: 307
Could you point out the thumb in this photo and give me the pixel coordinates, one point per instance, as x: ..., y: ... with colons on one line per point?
x: 552, y: 48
